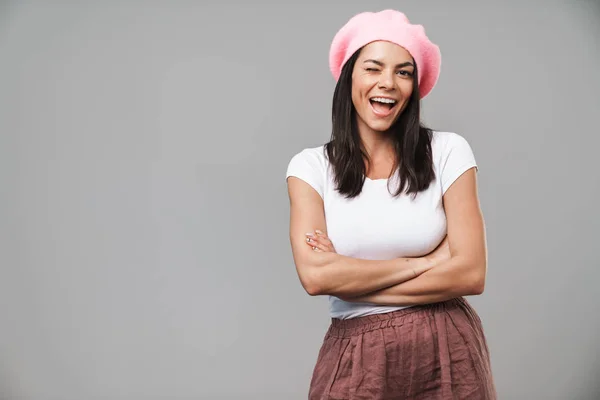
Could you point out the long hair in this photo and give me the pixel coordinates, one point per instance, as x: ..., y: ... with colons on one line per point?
x: 347, y: 155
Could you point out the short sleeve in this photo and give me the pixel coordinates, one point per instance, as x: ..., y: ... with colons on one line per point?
x: 308, y: 165
x: 458, y: 157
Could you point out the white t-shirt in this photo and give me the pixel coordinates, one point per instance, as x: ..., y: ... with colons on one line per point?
x: 377, y: 226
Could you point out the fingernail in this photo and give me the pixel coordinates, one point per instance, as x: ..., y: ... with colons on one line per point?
x: 309, y: 234
x: 318, y: 231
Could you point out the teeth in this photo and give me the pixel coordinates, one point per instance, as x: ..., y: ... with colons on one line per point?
x: 383, y: 100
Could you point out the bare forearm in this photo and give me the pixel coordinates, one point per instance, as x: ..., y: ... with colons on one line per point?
x: 346, y: 276
x: 450, y: 279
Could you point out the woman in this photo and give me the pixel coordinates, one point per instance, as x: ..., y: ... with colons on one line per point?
x: 385, y: 220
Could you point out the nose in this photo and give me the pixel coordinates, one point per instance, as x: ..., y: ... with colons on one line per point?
x: 386, y: 80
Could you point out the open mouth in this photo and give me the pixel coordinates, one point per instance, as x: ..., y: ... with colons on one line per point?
x: 382, y: 106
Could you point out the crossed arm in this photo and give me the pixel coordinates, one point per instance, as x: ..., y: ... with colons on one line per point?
x: 459, y: 269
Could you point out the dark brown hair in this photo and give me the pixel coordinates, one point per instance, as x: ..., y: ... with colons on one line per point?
x: 347, y: 155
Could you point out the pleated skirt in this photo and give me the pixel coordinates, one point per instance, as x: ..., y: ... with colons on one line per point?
x: 434, y: 351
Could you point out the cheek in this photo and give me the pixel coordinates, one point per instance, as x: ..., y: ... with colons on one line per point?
x: 406, y: 88
x: 358, y: 96
x: 355, y: 96
x: 360, y: 90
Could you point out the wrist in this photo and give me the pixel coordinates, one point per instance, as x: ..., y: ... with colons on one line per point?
x: 416, y: 265
x: 423, y: 264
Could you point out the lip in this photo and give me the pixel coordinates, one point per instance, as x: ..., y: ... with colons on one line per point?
x: 385, y: 113
x: 383, y: 97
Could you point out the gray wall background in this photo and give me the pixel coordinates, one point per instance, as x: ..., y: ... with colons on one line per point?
x: 144, y: 249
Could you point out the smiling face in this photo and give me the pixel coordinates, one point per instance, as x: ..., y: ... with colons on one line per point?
x: 382, y: 84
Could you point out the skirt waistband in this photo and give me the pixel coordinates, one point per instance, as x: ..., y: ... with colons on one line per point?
x: 359, y: 325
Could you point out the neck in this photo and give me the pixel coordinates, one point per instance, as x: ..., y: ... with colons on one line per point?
x: 378, y: 145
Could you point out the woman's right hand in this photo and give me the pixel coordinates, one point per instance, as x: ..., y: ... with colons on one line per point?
x: 441, y: 253
x: 319, y: 242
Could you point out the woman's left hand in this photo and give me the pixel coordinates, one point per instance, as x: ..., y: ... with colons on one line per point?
x: 319, y: 242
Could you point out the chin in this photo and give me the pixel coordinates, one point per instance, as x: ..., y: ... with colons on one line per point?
x: 380, y: 126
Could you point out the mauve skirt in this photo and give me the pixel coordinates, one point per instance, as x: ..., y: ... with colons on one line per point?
x: 434, y: 351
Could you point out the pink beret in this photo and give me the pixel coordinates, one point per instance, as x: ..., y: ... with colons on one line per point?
x: 392, y: 26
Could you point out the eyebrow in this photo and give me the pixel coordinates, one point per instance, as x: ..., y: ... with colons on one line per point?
x: 404, y: 64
